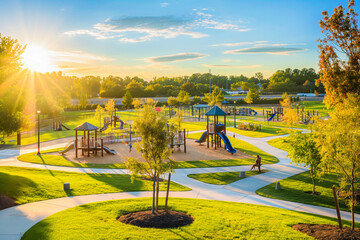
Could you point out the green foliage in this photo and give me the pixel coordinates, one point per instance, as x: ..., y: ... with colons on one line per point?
x: 172, y: 101
x: 304, y: 152
x: 339, y: 141
x: 127, y: 99
x: 183, y: 97
x: 252, y: 96
x: 152, y: 128
x: 10, y: 56
x: 216, y: 96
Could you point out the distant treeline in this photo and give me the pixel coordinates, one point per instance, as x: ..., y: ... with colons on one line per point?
x: 288, y: 80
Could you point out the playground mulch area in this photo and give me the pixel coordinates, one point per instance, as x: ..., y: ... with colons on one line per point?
x: 194, y: 152
x: 327, y: 231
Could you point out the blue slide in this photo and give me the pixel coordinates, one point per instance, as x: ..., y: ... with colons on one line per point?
x: 271, y: 118
x: 227, y: 143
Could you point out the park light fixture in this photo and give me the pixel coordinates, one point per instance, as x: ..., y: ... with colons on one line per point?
x: 38, y: 123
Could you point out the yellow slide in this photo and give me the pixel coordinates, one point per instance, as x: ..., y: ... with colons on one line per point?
x: 68, y: 148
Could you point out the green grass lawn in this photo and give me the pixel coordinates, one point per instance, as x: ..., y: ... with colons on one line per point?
x: 266, y: 131
x: 292, y: 189
x: 213, y: 220
x: 280, y: 143
x: 72, y: 120
x: 246, y: 148
x: 30, y: 185
x: 222, y: 178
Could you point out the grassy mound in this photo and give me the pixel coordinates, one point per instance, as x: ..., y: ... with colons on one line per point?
x: 212, y: 220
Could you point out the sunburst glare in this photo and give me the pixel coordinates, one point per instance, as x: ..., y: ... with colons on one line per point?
x: 37, y: 58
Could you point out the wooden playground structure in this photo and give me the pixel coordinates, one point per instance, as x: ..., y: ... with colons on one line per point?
x: 178, y: 140
x: 214, y: 127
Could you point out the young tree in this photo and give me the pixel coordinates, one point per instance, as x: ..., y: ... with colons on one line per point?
x: 290, y: 115
x: 304, y: 151
x: 153, y: 147
x: 99, y: 113
x: 137, y: 103
x: 110, y: 106
x: 340, y: 53
x: 127, y: 99
x: 339, y: 141
x: 252, y: 96
x: 183, y: 97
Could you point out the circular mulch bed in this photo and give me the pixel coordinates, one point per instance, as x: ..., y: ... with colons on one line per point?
x: 161, y: 219
x: 6, y: 202
x: 310, y: 192
x: 327, y: 231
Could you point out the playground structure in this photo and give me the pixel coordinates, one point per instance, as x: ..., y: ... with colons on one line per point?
x: 178, y: 140
x: 306, y: 117
x: 57, y: 125
x: 88, y: 144
x: 112, y: 122
x: 275, y: 114
x: 215, y: 132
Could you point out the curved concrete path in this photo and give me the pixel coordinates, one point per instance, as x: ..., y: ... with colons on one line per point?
x: 16, y: 220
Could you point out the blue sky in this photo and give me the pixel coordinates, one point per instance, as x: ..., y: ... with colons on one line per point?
x: 169, y: 38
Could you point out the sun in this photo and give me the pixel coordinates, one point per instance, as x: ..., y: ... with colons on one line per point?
x: 37, y: 58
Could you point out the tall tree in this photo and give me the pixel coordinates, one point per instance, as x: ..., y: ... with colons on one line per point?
x: 340, y: 53
x: 339, y: 140
x: 183, y: 97
x: 127, y: 99
x: 153, y: 147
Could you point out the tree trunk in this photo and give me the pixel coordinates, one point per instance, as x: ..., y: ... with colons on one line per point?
x: 167, y: 192
x: 157, y: 193
x: 353, y: 197
x: 313, y: 179
x: 153, y: 201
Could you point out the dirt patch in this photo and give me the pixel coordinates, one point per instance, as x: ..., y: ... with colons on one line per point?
x: 6, y: 202
x: 161, y: 219
x: 311, y: 193
x: 327, y: 231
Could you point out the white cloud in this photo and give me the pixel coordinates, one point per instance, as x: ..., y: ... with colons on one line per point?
x: 271, y: 49
x: 175, y: 57
x: 164, y: 4
x: 237, y: 44
x: 125, y: 29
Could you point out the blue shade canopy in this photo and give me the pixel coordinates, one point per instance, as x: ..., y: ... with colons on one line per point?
x: 224, y: 102
x: 201, y: 106
x: 215, y: 111
x: 86, y: 127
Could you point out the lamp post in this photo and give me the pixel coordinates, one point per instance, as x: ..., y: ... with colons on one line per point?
x: 38, y: 123
x: 234, y: 114
x: 210, y: 81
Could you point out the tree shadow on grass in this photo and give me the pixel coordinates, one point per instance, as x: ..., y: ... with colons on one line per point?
x: 15, y: 186
x: 40, y: 230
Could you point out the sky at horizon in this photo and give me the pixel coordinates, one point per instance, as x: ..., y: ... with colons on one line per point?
x: 169, y: 38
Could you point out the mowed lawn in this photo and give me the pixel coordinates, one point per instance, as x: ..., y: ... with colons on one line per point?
x: 294, y: 188
x: 30, y: 185
x: 266, y: 131
x: 212, y: 220
x: 223, y: 178
x: 280, y: 143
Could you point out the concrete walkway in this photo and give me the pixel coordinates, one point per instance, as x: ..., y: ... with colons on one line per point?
x: 16, y: 220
